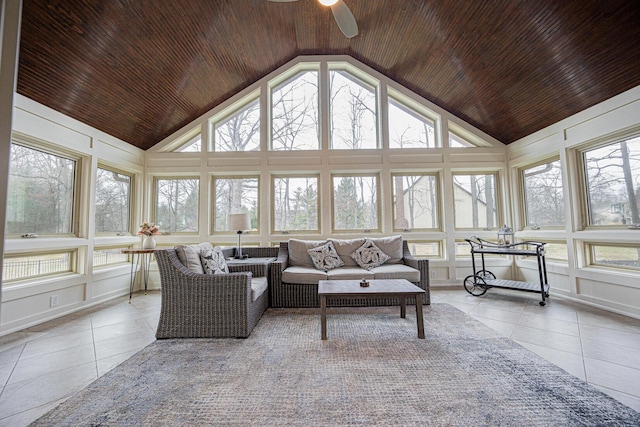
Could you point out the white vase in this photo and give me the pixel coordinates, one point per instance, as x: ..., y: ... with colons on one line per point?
x: 149, y: 242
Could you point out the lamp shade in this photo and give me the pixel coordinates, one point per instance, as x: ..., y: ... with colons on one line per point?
x: 239, y: 222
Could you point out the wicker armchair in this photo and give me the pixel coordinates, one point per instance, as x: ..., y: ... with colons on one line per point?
x: 207, y: 306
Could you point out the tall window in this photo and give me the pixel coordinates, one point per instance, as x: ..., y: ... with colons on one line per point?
x: 355, y: 203
x: 613, y: 183
x: 41, y: 192
x: 408, y: 128
x: 176, y: 204
x: 415, y: 202
x: 353, y: 112
x: 235, y: 195
x: 113, y: 198
x: 295, y: 203
x: 295, y: 113
x: 475, y: 201
x: 240, y: 131
x: 543, y: 195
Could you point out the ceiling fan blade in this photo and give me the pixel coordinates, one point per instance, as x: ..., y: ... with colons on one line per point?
x: 344, y: 18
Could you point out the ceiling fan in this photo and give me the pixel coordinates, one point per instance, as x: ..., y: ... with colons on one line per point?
x: 341, y: 12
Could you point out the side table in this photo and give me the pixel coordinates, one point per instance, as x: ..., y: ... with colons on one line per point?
x: 139, y: 258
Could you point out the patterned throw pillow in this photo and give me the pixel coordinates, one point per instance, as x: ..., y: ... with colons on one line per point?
x: 213, y: 261
x: 369, y: 256
x: 325, y: 257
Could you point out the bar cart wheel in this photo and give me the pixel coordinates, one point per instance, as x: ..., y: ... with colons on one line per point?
x: 486, y: 275
x: 475, y: 285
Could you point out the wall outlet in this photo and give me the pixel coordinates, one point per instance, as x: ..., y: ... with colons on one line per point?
x: 53, y: 301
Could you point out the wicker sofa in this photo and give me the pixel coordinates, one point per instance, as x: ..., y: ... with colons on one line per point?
x: 196, y: 305
x: 294, y: 284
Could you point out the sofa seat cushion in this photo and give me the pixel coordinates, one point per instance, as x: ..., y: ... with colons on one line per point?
x: 396, y: 271
x: 303, y: 275
x: 349, y: 273
x: 258, y: 287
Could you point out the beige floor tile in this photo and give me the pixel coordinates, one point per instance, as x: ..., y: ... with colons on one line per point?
x: 608, y: 335
x: 539, y: 321
x: 483, y: 310
x: 632, y: 402
x: 572, y: 363
x: 27, y: 417
x: 614, y: 353
x: 121, y: 329
x: 32, y: 367
x: 505, y: 329
x: 25, y: 395
x: 123, y: 344
x: 553, y: 340
x: 613, y: 376
x: 57, y: 343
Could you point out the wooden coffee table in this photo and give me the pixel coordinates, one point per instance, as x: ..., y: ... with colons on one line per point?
x: 387, y: 288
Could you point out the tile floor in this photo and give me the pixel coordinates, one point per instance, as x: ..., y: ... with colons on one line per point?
x: 43, y: 365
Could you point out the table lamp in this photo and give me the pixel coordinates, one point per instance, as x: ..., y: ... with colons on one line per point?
x: 239, y: 222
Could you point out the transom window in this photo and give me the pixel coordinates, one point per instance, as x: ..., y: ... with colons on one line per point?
x: 18, y: 267
x: 355, y: 202
x: 615, y: 256
x: 295, y: 203
x: 353, y: 112
x: 41, y: 193
x: 294, y: 113
x: 415, y: 202
x: 176, y: 204
x: 475, y: 200
x: 543, y: 195
x: 240, y: 131
x: 613, y: 183
x: 113, y: 199
x: 408, y: 128
x: 194, y: 145
x: 234, y: 195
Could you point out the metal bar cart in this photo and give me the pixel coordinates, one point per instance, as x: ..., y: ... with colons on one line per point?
x: 481, y: 280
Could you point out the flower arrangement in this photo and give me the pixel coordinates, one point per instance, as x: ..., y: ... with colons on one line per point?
x: 147, y: 229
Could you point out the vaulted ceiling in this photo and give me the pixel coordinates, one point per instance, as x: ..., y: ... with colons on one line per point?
x: 141, y: 69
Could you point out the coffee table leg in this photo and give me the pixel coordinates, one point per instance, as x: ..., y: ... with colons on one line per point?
x: 403, y: 307
x: 419, y: 316
x: 323, y: 316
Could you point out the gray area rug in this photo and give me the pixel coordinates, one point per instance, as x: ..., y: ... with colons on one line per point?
x: 373, y: 370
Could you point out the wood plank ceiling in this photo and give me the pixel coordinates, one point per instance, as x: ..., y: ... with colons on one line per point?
x: 141, y: 69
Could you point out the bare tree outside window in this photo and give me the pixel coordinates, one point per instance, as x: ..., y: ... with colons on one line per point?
x: 235, y: 195
x: 408, y: 128
x: 40, y: 196
x: 543, y: 195
x: 353, y: 112
x: 295, y: 113
x: 240, y: 131
x: 613, y: 183
x: 177, y: 204
x: 355, y: 203
x: 295, y: 203
x: 475, y: 201
x: 113, y: 196
x: 415, y: 202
